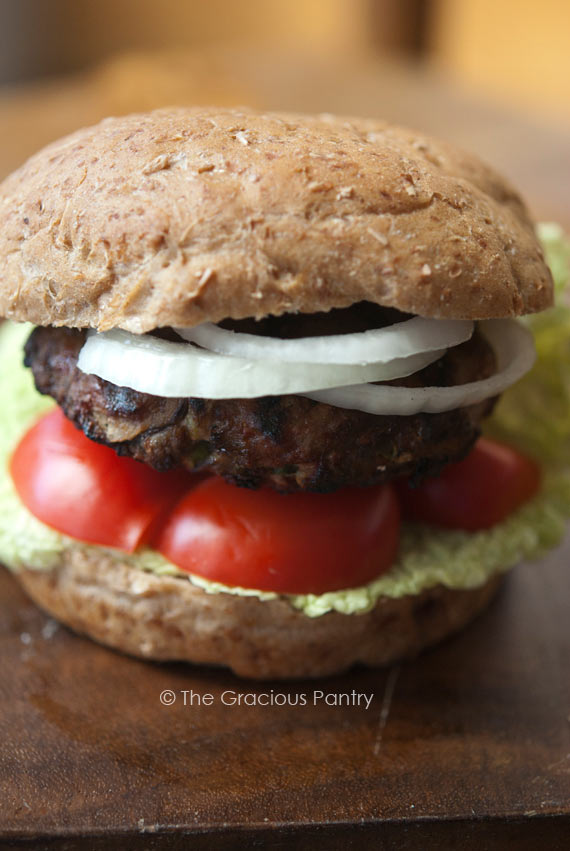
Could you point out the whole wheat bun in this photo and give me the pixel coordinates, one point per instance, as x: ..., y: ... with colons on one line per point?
x: 168, y: 618
x: 183, y: 215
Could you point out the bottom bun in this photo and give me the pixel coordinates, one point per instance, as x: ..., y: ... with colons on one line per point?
x: 169, y: 618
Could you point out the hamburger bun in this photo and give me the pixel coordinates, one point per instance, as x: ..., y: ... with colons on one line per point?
x: 208, y: 214
x: 169, y: 618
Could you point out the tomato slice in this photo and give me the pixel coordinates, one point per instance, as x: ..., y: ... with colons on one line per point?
x: 86, y: 490
x: 291, y: 543
x: 476, y: 493
x: 294, y: 543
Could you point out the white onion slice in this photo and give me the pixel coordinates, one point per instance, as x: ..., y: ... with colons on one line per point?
x: 163, y: 368
x: 515, y: 352
x: 378, y: 345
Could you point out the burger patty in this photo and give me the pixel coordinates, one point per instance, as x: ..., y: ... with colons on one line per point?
x: 289, y: 443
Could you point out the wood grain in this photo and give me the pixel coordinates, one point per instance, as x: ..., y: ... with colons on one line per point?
x: 469, y: 744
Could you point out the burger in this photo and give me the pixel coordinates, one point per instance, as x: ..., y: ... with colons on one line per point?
x: 246, y: 430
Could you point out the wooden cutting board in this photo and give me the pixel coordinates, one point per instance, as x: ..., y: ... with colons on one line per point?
x: 466, y: 747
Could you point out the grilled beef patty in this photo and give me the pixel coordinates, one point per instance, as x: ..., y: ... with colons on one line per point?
x: 289, y: 443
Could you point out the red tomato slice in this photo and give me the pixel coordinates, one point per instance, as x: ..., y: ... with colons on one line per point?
x: 476, y: 493
x: 86, y: 490
x: 291, y: 543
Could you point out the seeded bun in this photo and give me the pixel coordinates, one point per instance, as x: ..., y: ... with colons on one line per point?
x: 168, y: 618
x: 181, y: 216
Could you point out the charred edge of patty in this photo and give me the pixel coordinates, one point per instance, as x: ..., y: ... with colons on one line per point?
x: 289, y: 443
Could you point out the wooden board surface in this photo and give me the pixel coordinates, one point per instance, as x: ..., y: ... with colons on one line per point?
x: 468, y: 744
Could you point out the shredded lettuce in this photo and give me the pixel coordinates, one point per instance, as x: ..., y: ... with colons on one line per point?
x: 534, y: 416
x: 556, y: 247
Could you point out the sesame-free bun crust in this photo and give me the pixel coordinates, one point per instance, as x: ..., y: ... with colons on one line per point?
x: 169, y: 618
x: 185, y: 215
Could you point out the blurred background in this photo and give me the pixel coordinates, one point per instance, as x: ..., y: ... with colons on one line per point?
x: 491, y: 75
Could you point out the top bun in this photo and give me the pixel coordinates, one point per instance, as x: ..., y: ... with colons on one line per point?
x: 182, y: 216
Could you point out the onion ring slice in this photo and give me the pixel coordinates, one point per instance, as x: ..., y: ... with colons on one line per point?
x: 177, y: 370
x: 378, y: 345
x: 515, y: 352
